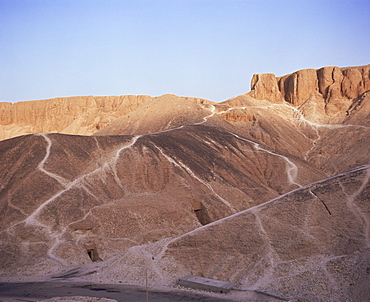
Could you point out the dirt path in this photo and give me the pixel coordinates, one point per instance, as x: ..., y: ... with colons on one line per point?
x: 36, y: 291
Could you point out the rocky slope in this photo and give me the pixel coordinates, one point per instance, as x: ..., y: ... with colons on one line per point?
x: 323, y: 120
x: 311, y: 244
x: 162, y: 113
x: 75, y: 193
x: 180, y: 179
x: 332, y: 148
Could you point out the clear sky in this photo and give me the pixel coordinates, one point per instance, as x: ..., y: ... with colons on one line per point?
x: 200, y: 48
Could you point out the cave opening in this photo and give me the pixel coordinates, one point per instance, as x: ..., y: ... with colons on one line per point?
x: 202, y: 214
x: 93, y: 255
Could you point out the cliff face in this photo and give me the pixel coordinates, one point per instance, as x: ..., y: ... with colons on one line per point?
x: 265, y: 87
x: 332, y: 88
x: 326, y: 95
x: 81, y: 115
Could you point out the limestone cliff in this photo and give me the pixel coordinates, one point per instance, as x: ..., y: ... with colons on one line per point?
x: 81, y: 115
x: 329, y: 91
x: 265, y: 87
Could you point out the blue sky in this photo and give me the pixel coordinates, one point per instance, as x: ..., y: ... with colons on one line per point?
x: 200, y: 48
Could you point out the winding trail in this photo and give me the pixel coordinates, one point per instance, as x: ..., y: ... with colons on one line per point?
x: 356, y: 210
x: 205, y: 119
x: 291, y: 168
x: 190, y: 172
x: 298, y: 116
x: 111, y: 164
x: 64, y: 182
x: 312, y: 263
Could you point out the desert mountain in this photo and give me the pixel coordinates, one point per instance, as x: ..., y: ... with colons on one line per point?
x: 330, y: 147
x: 100, y: 190
x: 162, y: 113
x: 82, y: 115
x: 268, y: 189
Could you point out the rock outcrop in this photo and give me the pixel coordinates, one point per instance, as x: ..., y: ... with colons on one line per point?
x: 337, y: 87
x: 72, y: 115
x: 82, y: 115
x: 265, y: 87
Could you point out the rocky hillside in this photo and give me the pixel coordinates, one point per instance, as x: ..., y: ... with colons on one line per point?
x: 311, y: 244
x: 268, y: 189
x: 74, y: 192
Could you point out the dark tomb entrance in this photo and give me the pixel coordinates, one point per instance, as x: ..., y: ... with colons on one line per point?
x: 201, y: 213
x: 93, y: 255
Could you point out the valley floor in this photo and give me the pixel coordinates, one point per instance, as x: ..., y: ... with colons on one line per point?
x: 38, y: 291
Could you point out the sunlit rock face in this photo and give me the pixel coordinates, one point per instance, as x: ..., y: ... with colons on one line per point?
x: 265, y: 87
x: 71, y: 115
x: 81, y: 115
x: 270, y: 193
x: 324, y: 118
x: 333, y: 88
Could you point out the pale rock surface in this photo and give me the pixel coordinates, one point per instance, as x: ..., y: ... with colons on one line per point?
x: 81, y: 115
x: 334, y: 87
x: 265, y: 87
x: 161, y: 113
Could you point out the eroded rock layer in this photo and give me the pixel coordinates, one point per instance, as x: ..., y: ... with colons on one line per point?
x: 332, y: 87
x: 83, y: 115
x: 333, y: 147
